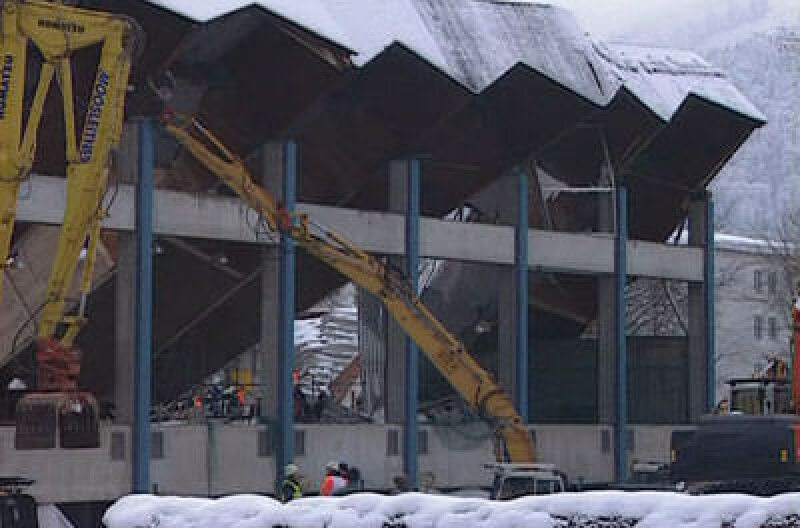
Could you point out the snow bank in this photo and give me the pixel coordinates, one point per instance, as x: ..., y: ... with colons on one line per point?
x: 414, y: 510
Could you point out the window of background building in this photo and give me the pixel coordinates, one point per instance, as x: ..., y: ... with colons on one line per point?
x: 757, y: 326
x: 773, y: 328
x: 758, y: 281
x: 772, y: 282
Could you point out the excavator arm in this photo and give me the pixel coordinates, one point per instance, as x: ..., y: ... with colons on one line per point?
x: 444, y: 350
x: 57, y: 32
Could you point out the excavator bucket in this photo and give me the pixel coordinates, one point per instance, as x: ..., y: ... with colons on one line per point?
x: 46, y: 420
x: 58, y: 415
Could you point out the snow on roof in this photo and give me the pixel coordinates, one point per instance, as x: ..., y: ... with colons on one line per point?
x: 662, y: 78
x: 309, y: 14
x: 419, y: 510
x: 475, y: 42
x: 482, y: 40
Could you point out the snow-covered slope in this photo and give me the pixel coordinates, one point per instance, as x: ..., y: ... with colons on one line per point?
x: 759, y: 186
x: 757, y: 42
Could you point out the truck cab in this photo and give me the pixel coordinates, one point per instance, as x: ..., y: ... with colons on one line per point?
x: 518, y: 480
x: 760, y: 396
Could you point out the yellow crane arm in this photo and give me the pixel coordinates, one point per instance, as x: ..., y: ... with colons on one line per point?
x: 57, y: 31
x: 444, y: 350
x: 14, y: 163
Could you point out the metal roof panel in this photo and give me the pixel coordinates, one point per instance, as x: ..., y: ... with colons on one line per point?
x: 475, y: 42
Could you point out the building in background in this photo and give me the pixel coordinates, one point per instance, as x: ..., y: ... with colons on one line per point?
x: 754, y: 291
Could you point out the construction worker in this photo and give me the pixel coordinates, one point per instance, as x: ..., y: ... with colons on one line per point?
x: 333, y: 482
x: 291, y: 488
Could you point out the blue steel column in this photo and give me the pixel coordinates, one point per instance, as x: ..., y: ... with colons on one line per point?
x: 620, y: 275
x: 144, y: 309
x: 285, y: 451
x: 521, y: 392
x: 708, y: 279
x: 410, y: 465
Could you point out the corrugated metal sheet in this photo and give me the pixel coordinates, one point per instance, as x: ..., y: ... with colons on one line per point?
x: 476, y: 42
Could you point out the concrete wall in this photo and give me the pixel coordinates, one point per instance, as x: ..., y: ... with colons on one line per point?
x: 578, y: 450
x: 651, y: 442
x: 184, y: 466
x: 69, y: 475
x: 219, y: 458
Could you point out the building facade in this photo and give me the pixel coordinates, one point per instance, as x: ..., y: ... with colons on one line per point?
x: 753, y: 298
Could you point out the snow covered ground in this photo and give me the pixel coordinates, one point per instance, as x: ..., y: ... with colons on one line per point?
x: 414, y: 510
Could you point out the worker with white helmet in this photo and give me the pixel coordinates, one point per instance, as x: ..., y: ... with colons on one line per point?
x: 291, y: 488
x: 333, y: 481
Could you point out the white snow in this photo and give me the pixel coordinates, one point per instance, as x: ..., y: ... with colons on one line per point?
x: 662, y: 78
x: 373, y: 26
x: 50, y: 516
x: 366, y: 28
x: 310, y: 14
x: 652, y: 509
x: 480, y: 41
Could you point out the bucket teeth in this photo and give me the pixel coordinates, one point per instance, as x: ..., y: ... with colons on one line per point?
x: 46, y: 420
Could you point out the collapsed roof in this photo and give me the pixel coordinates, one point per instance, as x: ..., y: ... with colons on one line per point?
x: 475, y: 87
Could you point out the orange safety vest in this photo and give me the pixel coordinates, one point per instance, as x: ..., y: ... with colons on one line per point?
x: 331, y: 484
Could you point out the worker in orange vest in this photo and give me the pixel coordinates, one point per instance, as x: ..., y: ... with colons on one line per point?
x: 333, y: 481
x: 241, y: 396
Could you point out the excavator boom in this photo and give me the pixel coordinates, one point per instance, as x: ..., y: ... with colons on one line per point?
x: 57, y: 31
x: 444, y: 350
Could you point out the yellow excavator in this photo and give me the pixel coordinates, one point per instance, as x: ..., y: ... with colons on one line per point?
x: 50, y: 33
x: 57, y: 407
x: 444, y: 349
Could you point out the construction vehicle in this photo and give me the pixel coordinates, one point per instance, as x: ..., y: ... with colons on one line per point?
x: 57, y: 413
x: 58, y: 407
x: 518, y: 480
x: 753, y: 445
x: 444, y: 349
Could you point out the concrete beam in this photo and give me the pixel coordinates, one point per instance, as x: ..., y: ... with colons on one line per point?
x: 226, y: 218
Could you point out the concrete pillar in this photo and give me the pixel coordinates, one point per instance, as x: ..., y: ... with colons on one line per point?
x: 606, y: 346
x: 521, y: 383
x: 700, y: 316
x: 124, y: 304
x: 512, y: 294
x: 395, y: 373
x: 125, y: 288
x: 506, y: 330
x: 709, y: 276
x: 620, y: 331
x: 612, y: 350
x: 271, y: 167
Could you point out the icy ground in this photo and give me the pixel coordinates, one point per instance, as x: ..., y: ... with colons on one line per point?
x: 413, y: 510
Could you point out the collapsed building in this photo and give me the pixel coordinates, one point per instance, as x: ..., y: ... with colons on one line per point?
x: 479, y: 92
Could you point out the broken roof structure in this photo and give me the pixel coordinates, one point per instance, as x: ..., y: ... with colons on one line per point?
x: 475, y: 87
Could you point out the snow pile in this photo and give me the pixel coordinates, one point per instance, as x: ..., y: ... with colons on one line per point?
x: 413, y: 510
